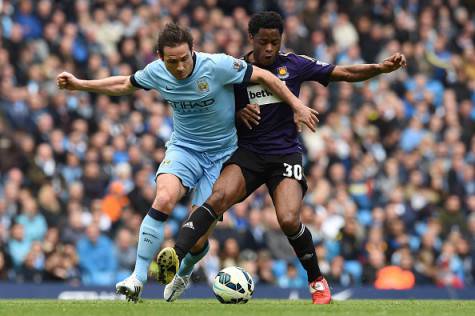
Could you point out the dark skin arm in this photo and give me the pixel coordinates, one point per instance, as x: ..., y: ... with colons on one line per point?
x: 362, y: 72
x: 351, y: 73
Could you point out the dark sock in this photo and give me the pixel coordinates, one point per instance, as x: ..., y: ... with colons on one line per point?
x: 195, y: 226
x: 157, y: 215
x: 302, y: 243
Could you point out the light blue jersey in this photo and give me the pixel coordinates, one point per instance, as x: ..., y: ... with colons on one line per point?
x: 204, y: 134
x: 203, y: 103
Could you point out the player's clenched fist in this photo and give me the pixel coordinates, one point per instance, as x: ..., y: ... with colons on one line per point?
x: 393, y: 62
x: 65, y: 80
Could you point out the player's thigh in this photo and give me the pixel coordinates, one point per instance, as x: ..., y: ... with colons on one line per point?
x: 243, y: 174
x: 223, y: 192
x: 179, y: 171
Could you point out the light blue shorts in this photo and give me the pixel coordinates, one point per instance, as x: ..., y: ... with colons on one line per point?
x: 196, y: 170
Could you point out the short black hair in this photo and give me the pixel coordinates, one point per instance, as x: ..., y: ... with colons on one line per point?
x: 174, y: 35
x: 265, y: 20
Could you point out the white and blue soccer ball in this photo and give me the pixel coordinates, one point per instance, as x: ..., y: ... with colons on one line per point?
x: 233, y: 285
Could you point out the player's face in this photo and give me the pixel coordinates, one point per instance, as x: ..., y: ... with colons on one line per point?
x: 178, y: 60
x: 266, y: 46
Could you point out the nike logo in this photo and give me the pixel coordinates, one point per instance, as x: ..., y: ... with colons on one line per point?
x: 167, y: 88
x: 318, y: 286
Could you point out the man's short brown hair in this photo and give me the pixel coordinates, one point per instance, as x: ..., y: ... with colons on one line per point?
x: 172, y: 36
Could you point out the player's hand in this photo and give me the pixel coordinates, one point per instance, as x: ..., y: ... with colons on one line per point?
x: 250, y: 115
x: 68, y: 81
x: 305, y: 115
x: 393, y: 62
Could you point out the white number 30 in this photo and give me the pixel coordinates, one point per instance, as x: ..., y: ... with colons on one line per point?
x: 294, y: 171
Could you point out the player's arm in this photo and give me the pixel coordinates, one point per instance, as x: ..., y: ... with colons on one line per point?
x: 302, y: 113
x: 116, y: 85
x: 361, y: 72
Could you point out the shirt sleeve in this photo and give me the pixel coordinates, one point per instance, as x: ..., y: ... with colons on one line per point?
x: 145, y: 78
x: 314, y: 70
x: 231, y: 70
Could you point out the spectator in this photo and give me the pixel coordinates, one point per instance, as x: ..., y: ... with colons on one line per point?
x: 96, y: 258
x: 18, y: 245
x: 125, y: 253
x: 33, y: 222
x: 291, y: 279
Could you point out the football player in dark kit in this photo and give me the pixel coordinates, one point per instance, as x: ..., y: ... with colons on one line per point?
x: 269, y: 151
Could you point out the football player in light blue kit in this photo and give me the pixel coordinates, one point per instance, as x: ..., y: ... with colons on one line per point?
x: 198, y: 87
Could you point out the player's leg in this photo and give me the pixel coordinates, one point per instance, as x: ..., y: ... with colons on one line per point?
x: 233, y: 185
x: 180, y: 282
x: 196, y: 253
x: 169, y: 191
x: 203, y: 191
x: 229, y: 189
x: 287, y: 188
x: 176, y: 172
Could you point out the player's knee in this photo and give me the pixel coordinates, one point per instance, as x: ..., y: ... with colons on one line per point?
x: 218, y: 200
x: 289, y: 224
x: 163, y: 201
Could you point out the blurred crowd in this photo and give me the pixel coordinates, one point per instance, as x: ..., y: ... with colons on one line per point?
x: 391, y: 169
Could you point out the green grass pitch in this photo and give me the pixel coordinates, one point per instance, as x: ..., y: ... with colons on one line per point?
x: 254, y: 307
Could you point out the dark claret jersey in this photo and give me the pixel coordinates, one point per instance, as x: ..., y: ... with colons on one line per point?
x: 276, y: 133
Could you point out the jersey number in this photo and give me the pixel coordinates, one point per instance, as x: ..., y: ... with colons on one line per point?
x: 294, y: 171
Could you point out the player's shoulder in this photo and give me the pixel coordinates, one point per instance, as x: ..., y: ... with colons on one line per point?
x: 214, y: 58
x: 155, y: 66
x: 209, y: 57
x: 300, y: 58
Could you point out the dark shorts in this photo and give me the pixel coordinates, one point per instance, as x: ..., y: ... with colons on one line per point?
x: 270, y: 170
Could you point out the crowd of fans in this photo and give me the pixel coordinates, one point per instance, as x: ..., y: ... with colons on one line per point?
x: 391, y: 169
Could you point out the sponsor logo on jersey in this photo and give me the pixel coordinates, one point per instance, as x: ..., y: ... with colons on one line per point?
x: 282, y: 72
x: 191, y: 106
x: 259, y: 95
x: 203, y: 85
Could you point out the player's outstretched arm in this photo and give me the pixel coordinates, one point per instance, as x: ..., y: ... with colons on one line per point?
x: 116, y: 85
x: 361, y: 72
x: 302, y: 113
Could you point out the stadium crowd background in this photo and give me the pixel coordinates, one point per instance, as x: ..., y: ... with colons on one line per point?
x: 391, y: 199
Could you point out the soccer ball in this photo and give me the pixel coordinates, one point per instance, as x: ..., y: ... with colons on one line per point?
x: 233, y: 285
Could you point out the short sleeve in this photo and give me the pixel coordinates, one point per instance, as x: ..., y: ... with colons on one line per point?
x: 145, y: 78
x: 231, y: 70
x: 314, y: 70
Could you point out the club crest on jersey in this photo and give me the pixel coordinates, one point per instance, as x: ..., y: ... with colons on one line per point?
x: 203, y: 85
x: 282, y: 72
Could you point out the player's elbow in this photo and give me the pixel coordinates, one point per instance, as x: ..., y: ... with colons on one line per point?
x: 123, y: 88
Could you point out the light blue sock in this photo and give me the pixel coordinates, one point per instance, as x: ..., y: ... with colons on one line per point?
x: 150, y: 240
x: 188, y: 263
